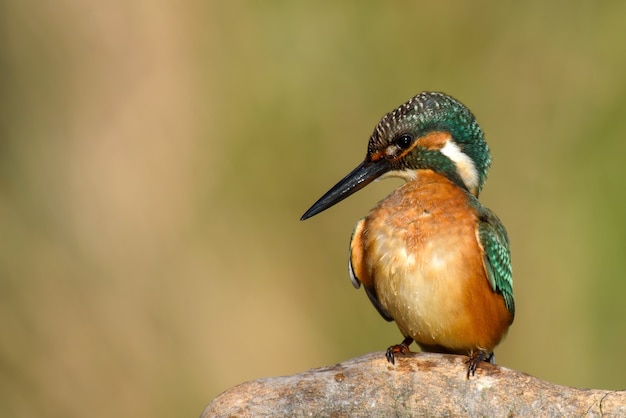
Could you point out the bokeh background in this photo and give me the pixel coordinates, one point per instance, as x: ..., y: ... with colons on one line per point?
x: 155, y: 157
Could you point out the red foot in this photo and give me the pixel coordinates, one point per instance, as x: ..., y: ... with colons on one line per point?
x: 476, y: 357
x: 402, y: 348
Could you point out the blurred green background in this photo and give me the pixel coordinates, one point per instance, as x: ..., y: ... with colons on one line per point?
x: 155, y: 158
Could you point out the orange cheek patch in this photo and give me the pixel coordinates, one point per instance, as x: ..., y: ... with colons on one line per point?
x: 434, y: 140
x: 431, y: 141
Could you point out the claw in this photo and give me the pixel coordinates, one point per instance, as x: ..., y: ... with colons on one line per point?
x: 476, y: 357
x: 402, y: 348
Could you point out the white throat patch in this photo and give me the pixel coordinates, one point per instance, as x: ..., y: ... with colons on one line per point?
x: 464, y: 165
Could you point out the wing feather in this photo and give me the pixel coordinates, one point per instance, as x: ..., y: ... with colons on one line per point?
x: 358, y: 269
x: 497, y: 256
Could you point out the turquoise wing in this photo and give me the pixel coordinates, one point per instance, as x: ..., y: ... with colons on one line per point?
x: 495, y: 243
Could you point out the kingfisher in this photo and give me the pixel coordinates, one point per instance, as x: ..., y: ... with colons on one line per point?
x: 430, y: 256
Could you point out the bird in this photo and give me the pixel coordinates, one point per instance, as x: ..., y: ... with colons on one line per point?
x: 430, y: 256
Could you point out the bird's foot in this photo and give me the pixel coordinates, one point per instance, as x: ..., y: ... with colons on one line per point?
x: 402, y: 348
x: 476, y: 357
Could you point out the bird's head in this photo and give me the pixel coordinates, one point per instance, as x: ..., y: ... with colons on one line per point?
x: 431, y: 131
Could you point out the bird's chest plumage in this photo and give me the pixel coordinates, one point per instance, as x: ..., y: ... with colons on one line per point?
x: 421, y: 253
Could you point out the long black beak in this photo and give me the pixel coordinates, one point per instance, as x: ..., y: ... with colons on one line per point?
x: 360, y: 177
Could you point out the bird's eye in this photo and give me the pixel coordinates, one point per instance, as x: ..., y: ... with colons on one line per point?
x: 404, y: 141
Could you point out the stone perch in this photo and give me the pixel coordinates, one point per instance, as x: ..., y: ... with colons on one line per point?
x: 420, y: 384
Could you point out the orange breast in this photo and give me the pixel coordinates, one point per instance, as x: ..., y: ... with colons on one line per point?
x: 419, y: 247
